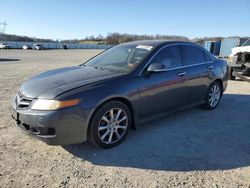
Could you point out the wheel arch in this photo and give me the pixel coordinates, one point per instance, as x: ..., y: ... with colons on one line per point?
x: 120, y: 99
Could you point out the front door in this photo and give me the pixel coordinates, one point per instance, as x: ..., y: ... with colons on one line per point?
x: 163, y: 91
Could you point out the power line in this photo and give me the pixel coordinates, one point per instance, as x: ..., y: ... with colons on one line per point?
x: 2, y: 31
x: 4, y: 26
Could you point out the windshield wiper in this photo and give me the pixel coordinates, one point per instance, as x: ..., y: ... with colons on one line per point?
x: 82, y: 65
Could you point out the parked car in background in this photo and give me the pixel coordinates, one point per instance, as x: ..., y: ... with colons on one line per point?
x: 27, y: 47
x: 64, y: 47
x: 38, y: 47
x: 116, y: 90
x: 4, y: 46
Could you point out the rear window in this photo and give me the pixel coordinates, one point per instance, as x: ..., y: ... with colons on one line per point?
x: 192, y: 55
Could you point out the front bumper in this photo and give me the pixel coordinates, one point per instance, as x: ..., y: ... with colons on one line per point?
x: 61, y: 127
x: 238, y: 67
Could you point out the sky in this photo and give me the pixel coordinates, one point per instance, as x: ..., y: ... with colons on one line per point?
x: 76, y: 19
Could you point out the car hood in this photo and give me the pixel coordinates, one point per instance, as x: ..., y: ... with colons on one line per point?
x: 242, y: 49
x: 50, y: 84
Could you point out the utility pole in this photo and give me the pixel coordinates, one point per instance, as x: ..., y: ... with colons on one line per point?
x: 2, y: 31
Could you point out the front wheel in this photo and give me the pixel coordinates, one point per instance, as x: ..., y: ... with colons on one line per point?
x: 213, y: 96
x: 110, y: 124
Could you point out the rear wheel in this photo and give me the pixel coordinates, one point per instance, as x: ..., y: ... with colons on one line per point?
x: 110, y: 124
x: 213, y: 95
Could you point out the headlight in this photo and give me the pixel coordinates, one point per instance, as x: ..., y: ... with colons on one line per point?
x: 42, y: 104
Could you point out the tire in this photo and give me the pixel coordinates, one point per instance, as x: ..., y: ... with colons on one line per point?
x: 213, y: 96
x: 230, y: 74
x: 107, y: 132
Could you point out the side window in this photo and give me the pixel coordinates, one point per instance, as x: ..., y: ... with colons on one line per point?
x: 170, y: 57
x: 192, y: 55
x: 207, y: 57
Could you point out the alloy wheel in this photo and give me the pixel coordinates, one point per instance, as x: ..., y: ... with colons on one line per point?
x: 214, y: 95
x: 112, y: 125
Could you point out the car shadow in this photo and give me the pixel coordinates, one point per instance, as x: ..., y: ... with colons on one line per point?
x: 190, y: 140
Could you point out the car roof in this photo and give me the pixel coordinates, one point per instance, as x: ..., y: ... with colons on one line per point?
x: 155, y: 43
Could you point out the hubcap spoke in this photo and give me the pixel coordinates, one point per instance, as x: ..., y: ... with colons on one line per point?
x: 105, y: 134
x: 103, y: 127
x: 118, y: 136
x: 110, y: 137
x: 105, y: 119
x: 213, y: 103
x: 111, y: 114
x: 217, y: 90
x: 213, y: 89
x: 121, y: 120
x: 118, y: 114
x: 121, y: 127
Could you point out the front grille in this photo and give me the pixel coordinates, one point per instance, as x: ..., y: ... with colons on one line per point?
x: 22, y: 102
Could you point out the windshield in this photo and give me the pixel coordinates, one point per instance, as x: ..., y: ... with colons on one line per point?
x: 121, y: 58
x: 246, y: 43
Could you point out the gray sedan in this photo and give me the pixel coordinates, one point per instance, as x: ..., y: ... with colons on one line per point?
x: 117, y: 90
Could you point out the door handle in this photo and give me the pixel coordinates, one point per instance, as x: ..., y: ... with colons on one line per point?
x: 182, y: 74
x: 210, y: 67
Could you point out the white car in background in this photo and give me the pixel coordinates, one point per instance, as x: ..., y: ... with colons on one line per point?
x: 27, y: 47
x: 38, y: 47
x: 239, y: 63
x: 4, y: 46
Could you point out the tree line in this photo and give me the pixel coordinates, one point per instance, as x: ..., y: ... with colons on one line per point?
x: 18, y: 38
x: 111, y: 38
x: 118, y: 38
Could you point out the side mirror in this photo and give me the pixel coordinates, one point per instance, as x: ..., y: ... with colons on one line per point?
x: 156, y: 67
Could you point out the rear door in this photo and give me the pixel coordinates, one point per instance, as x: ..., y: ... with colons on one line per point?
x: 198, y: 68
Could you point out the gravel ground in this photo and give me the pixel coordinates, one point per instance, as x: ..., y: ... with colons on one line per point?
x: 191, y: 148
